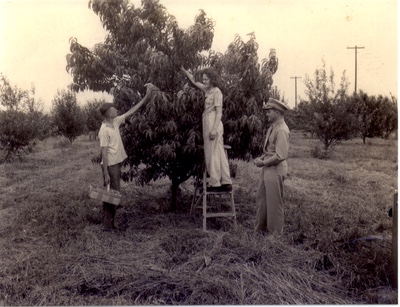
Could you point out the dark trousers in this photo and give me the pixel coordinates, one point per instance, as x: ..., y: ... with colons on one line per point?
x: 109, y: 210
x: 269, y: 199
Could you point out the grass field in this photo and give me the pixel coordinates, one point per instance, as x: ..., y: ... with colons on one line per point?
x: 336, y: 246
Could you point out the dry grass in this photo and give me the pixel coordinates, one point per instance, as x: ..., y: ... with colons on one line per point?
x: 51, y: 255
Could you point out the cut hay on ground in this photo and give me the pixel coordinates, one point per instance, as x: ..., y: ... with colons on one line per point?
x: 52, y: 255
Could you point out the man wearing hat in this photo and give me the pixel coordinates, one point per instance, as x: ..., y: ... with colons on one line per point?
x: 269, y: 197
x: 112, y: 149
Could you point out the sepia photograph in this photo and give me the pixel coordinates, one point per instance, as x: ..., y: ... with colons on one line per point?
x: 213, y: 152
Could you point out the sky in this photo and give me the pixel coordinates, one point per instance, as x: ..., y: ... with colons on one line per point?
x: 34, y: 37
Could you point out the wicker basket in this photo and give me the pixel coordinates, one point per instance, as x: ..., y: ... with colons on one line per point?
x: 106, y: 195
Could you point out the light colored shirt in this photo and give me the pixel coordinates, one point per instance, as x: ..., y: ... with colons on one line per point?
x: 213, y: 100
x: 110, y: 138
x: 277, y: 141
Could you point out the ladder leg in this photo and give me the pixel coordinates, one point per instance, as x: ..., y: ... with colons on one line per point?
x: 204, y: 202
x: 215, y: 200
x: 233, y: 208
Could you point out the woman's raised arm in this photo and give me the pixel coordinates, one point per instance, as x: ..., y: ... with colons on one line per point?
x: 191, y: 79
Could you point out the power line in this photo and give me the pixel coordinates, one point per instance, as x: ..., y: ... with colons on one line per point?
x: 295, y: 90
x: 355, y: 77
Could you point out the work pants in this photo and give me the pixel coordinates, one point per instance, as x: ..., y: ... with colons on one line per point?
x: 269, y: 199
x: 109, y: 210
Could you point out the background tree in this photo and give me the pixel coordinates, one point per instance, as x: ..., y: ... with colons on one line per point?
x: 67, y: 115
x: 377, y: 116
x: 390, y: 109
x: 369, y: 115
x: 301, y: 117
x: 328, y: 113
x: 145, y: 44
x: 92, y: 114
x: 21, y: 119
x: 247, y: 86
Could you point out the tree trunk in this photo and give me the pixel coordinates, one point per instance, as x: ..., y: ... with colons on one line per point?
x: 176, y: 182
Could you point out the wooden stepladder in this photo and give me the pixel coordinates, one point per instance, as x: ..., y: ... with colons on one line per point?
x: 213, y: 204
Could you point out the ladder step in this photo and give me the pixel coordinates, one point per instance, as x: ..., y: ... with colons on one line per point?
x: 211, y: 207
x: 219, y: 192
x: 220, y: 214
x: 200, y: 190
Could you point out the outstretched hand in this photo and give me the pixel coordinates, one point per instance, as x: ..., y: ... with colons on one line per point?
x: 186, y: 72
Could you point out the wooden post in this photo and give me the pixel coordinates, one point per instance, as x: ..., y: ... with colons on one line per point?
x: 394, y: 242
x: 295, y: 90
x: 355, y: 77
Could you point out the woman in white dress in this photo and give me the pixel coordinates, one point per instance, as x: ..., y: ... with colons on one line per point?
x: 216, y: 161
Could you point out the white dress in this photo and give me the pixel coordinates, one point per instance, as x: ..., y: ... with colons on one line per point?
x: 216, y: 161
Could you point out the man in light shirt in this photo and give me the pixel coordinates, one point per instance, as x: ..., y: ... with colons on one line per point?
x: 269, y: 197
x: 113, y: 151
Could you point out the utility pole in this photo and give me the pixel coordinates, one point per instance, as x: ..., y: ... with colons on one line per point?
x: 355, y: 51
x: 295, y: 90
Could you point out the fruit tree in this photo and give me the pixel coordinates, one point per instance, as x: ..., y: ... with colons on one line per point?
x: 145, y: 44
